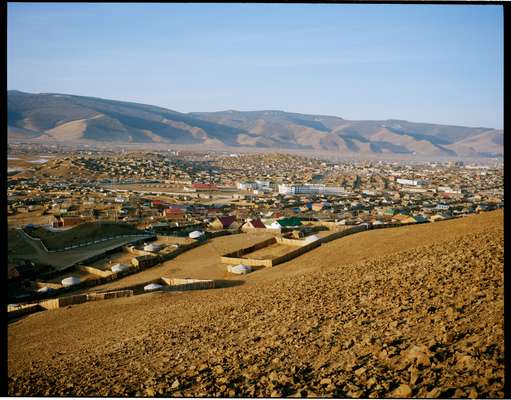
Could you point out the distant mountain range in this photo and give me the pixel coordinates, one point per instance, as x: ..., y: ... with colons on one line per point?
x: 51, y: 117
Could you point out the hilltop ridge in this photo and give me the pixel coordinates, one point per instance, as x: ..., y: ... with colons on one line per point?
x: 65, y: 118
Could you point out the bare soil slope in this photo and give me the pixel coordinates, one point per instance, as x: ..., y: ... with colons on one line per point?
x: 52, y: 117
x: 423, y: 320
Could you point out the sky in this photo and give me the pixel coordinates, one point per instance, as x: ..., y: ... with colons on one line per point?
x: 422, y: 63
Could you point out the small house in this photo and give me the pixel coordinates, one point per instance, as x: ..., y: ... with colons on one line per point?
x: 404, y: 219
x: 60, y: 222
x: 227, y: 222
x: 253, y: 224
x: 440, y: 217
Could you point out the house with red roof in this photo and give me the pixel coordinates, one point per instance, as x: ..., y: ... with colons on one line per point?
x: 253, y: 224
x: 225, y: 222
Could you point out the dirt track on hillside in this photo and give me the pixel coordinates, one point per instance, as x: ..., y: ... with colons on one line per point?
x: 425, y: 320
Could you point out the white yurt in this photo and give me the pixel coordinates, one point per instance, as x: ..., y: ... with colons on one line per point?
x: 275, y: 225
x: 119, y: 267
x: 45, y: 289
x: 239, y: 269
x: 70, y: 281
x: 152, y: 247
x: 152, y: 286
x: 311, y: 238
x: 195, y: 234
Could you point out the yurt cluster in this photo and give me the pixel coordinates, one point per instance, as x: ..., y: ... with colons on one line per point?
x: 131, y: 259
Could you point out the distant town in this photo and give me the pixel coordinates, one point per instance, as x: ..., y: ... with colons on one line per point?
x: 130, y: 198
x: 162, y: 189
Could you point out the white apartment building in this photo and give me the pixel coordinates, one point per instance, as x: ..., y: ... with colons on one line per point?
x: 411, y: 182
x: 447, y: 189
x: 257, y: 185
x: 246, y: 185
x: 310, y: 189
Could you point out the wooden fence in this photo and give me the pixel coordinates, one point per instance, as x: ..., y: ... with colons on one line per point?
x: 20, y: 310
x: 52, y: 304
x: 346, y: 232
x: 292, y: 242
x: 295, y: 253
x: 109, y: 295
x: 95, y: 271
x: 187, y: 284
x: 236, y: 257
x: 51, y: 285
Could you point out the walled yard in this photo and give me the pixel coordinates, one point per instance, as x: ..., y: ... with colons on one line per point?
x: 199, y: 263
x: 270, y: 252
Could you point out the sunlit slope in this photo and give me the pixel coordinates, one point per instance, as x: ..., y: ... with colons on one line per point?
x: 421, y: 318
x: 55, y: 118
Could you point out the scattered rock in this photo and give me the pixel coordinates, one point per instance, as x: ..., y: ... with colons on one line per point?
x: 300, y: 335
x: 175, y: 385
x: 402, y: 391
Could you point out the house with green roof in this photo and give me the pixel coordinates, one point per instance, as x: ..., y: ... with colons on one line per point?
x: 291, y: 222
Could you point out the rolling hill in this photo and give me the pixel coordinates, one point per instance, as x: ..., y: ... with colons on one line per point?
x: 408, y: 312
x: 51, y: 117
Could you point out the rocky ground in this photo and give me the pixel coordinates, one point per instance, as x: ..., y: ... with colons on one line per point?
x: 424, y: 322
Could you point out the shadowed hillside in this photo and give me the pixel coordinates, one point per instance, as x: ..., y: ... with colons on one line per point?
x: 67, y: 118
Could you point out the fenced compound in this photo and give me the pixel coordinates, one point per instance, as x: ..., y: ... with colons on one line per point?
x: 240, y: 256
x: 181, y: 249
x: 170, y: 285
x: 236, y: 257
x: 303, y: 246
x: 138, y: 263
x: 174, y: 239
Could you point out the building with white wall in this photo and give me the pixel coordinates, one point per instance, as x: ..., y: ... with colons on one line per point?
x: 411, y: 182
x: 310, y: 189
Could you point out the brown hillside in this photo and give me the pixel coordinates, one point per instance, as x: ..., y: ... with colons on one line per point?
x: 378, y: 314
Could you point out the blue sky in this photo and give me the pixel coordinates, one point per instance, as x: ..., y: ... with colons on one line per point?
x: 422, y: 63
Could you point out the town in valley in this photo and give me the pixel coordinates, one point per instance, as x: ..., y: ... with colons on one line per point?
x: 241, y: 200
x: 159, y: 195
